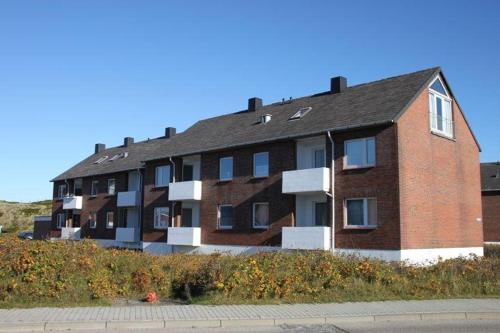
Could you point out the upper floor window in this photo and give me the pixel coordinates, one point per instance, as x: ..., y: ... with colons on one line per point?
x: 226, y: 168
x: 441, y: 116
x: 111, y: 186
x: 94, y: 189
x: 162, y: 175
x: 319, y: 157
x: 225, y: 216
x: 359, y: 153
x: 261, y: 164
x: 161, y: 217
x: 78, y: 186
x: 261, y: 215
x: 61, y: 191
x: 360, y: 213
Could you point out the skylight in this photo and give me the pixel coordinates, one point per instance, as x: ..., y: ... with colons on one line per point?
x: 101, y: 159
x: 301, y: 113
x: 117, y: 156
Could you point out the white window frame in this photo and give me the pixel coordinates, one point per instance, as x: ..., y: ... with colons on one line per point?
x: 94, y: 187
x: 365, y: 153
x: 61, y: 191
x: 58, y: 222
x: 229, y: 158
x: 433, y: 96
x: 156, y: 216
x: 268, y: 216
x: 114, y: 186
x: 157, y: 178
x: 219, y: 215
x: 107, y: 219
x: 93, y: 222
x: 365, y: 224
x: 254, y: 166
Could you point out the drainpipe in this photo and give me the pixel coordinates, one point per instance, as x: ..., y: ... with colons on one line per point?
x: 172, y: 216
x: 332, y: 190
x: 141, y: 203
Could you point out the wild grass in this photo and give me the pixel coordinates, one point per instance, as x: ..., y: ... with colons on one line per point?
x: 58, y: 273
x: 17, y: 216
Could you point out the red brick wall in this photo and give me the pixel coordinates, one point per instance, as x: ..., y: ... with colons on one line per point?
x: 243, y: 191
x: 491, y: 216
x: 380, y: 181
x: 439, y: 182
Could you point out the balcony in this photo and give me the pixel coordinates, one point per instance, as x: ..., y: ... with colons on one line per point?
x: 73, y: 202
x: 306, y: 238
x: 184, y: 236
x: 127, y: 235
x: 182, y: 191
x: 129, y: 199
x: 306, y: 181
x: 70, y: 233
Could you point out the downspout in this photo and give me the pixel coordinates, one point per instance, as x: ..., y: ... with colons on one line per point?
x: 332, y: 190
x: 172, y: 215
x: 142, y: 203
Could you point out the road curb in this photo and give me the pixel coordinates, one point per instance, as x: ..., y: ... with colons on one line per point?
x: 206, y: 323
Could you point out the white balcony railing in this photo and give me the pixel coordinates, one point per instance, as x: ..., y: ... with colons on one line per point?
x: 70, y: 233
x: 306, y: 238
x: 128, y: 235
x: 184, y: 236
x: 129, y: 199
x: 190, y: 190
x: 72, y: 202
x: 306, y: 181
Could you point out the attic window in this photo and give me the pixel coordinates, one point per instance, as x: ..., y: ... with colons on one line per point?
x: 117, y: 156
x: 301, y: 113
x: 101, y: 159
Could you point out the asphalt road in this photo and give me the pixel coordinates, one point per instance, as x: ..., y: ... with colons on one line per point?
x: 455, y: 326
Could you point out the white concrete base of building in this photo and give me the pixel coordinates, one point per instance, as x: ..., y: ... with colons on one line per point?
x: 491, y: 243
x: 415, y: 256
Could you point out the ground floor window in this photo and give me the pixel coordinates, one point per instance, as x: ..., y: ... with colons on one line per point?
x: 61, y: 220
x: 110, y: 220
x: 161, y: 217
x: 261, y: 215
x: 360, y: 213
x: 93, y: 220
x: 225, y: 216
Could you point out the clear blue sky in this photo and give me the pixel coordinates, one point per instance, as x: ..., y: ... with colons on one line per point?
x: 73, y: 73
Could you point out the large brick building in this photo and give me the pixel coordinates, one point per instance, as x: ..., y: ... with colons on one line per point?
x: 490, y: 187
x: 387, y: 169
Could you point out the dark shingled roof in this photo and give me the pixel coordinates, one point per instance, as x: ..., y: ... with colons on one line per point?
x: 490, y: 176
x: 363, y: 105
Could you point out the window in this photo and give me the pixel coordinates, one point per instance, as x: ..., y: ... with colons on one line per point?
x: 320, y: 214
x: 361, y: 213
x: 110, y: 218
x: 187, y: 172
x: 111, y: 186
x: 440, y: 109
x: 162, y: 175
x: 261, y: 215
x: 94, y: 190
x: 61, y: 191
x: 101, y: 159
x: 301, y: 113
x: 78, y: 186
x: 61, y: 220
x: 319, y: 158
x: 359, y: 153
x: 261, y: 164
x: 92, y: 220
x: 161, y: 217
x: 226, y: 168
x: 225, y: 216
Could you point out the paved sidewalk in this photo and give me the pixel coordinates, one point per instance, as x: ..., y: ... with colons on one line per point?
x: 151, y: 316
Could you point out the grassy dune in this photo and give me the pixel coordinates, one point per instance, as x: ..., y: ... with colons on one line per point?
x: 17, y: 216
